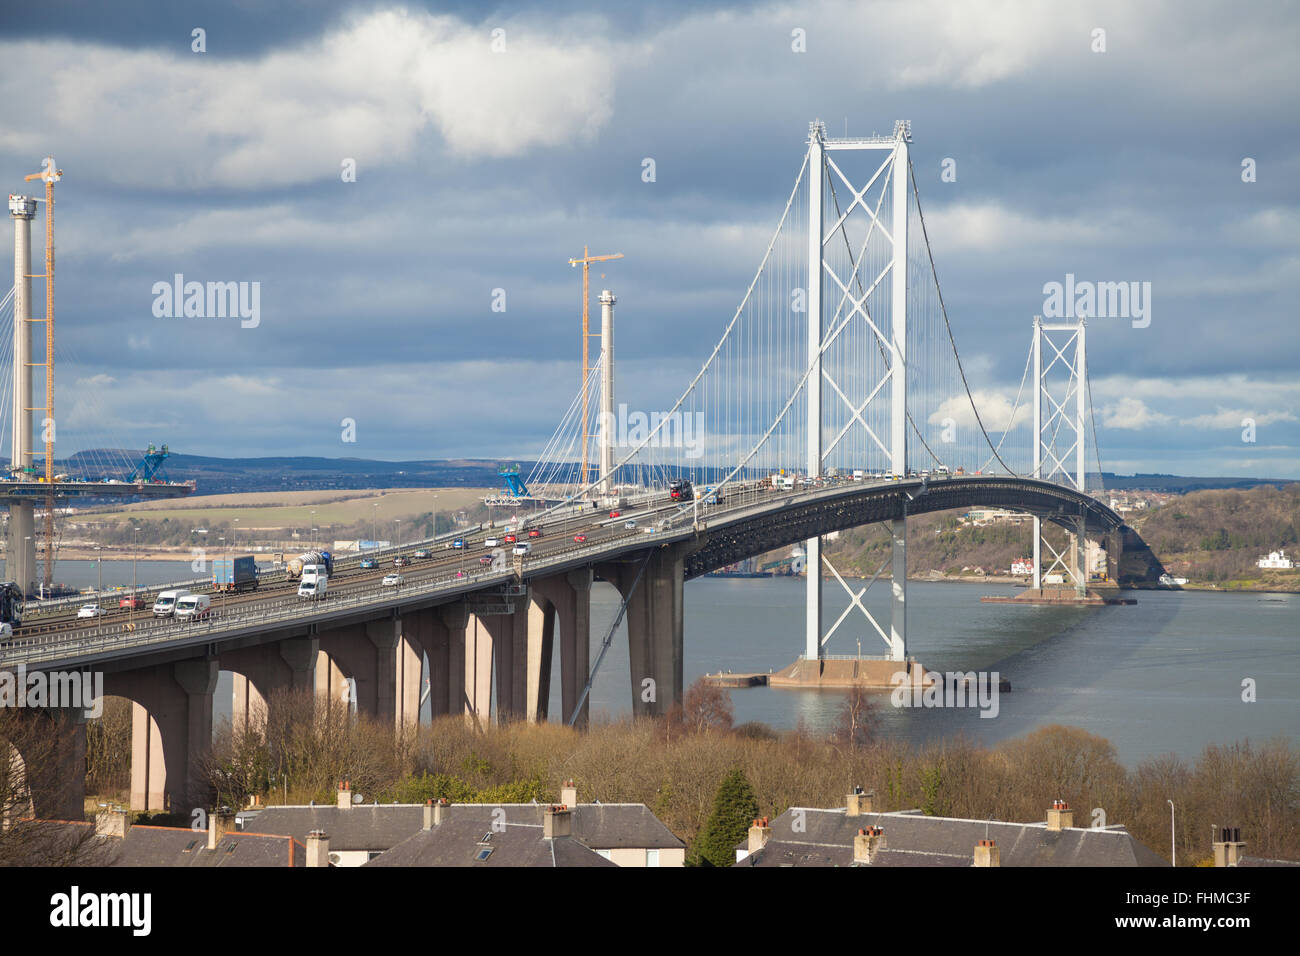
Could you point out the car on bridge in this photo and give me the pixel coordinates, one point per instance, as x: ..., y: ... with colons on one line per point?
x: 369, y: 564
x: 616, y: 514
x: 579, y: 538
x: 392, y: 580
x: 521, y: 549
x: 423, y: 553
x: 629, y: 525
x: 132, y: 603
x: 492, y: 543
x: 485, y: 560
x: 90, y: 610
x: 511, y: 538
x: 458, y: 543
x: 534, y: 532
x: 401, y: 561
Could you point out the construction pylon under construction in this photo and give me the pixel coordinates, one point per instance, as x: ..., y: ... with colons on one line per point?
x: 586, y: 261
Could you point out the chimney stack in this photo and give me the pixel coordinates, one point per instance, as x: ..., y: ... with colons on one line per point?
x: 759, y: 833
x: 557, y: 821
x: 860, y: 801
x: 987, y: 853
x: 435, y: 812
x: 113, y: 823
x: 318, y: 848
x: 345, y: 795
x: 868, y: 844
x: 569, y: 794
x: 1229, y: 847
x: 1060, y: 816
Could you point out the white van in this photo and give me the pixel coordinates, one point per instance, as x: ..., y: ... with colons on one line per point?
x: 193, y: 607
x: 315, y: 581
x: 166, y: 603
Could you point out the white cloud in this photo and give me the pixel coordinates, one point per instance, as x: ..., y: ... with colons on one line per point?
x: 995, y: 410
x: 365, y: 90
x: 1233, y: 418
x: 1132, y: 413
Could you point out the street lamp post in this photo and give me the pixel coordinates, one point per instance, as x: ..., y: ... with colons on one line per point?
x: 1173, y: 836
x: 374, y: 525
x: 435, y: 518
x: 99, y: 565
x: 135, y: 557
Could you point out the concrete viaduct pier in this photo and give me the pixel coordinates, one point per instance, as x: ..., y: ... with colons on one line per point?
x: 489, y: 657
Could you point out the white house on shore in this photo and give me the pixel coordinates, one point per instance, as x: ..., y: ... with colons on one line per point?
x: 1277, y: 561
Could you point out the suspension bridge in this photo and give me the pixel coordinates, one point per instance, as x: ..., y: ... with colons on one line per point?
x: 833, y: 397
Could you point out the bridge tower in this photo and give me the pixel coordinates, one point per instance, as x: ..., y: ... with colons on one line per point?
x: 20, y: 553
x: 608, y: 426
x: 893, y: 174
x: 1060, y: 406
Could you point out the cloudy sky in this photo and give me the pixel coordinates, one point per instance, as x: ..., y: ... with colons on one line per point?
x: 481, y: 169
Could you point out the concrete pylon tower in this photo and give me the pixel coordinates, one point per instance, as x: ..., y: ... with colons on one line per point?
x: 20, y: 554
x: 607, y: 427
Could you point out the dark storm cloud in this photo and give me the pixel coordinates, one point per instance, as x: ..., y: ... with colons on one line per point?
x: 1115, y: 166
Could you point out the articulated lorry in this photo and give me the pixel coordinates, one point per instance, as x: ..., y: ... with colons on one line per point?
x: 235, y: 574
x: 293, y: 567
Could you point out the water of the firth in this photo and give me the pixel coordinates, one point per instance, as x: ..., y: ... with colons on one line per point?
x: 1162, y: 676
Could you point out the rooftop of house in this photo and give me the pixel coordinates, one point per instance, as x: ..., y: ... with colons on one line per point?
x: 466, y: 841
x: 162, y: 846
x: 361, y: 827
x: 826, y: 838
x: 603, y: 826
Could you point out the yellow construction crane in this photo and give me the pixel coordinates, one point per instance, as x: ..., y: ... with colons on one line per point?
x: 586, y: 261
x: 50, y: 175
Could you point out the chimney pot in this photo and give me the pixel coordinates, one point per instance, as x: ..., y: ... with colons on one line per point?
x: 759, y: 833
x: 1229, y: 848
x: 557, y: 821
x: 1060, y: 816
x: 318, y: 848
x: 868, y: 844
x: 113, y: 823
x: 987, y: 854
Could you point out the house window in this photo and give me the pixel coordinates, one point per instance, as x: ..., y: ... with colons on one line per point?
x: 651, y: 857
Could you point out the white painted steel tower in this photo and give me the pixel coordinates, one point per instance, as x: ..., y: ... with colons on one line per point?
x: 893, y: 175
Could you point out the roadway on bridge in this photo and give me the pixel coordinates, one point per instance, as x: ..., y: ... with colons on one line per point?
x: 449, y: 573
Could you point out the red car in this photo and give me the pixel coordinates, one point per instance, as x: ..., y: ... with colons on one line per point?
x: 134, y: 603
x: 579, y: 538
x: 485, y: 560
x: 511, y: 539
x: 616, y: 514
x: 534, y: 533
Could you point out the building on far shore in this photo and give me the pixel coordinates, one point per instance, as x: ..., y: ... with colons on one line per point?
x: 1276, y: 561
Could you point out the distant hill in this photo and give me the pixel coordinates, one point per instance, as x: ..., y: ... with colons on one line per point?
x: 236, y: 475
x: 1178, y: 484
x: 215, y: 476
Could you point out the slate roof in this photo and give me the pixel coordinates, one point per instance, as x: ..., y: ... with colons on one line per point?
x: 370, y: 827
x: 1264, y: 861
x: 175, y: 846
x: 460, y: 842
x: 602, y: 826
x: 913, y: 839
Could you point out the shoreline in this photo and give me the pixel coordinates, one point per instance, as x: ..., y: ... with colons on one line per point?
x: 83, y: 554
